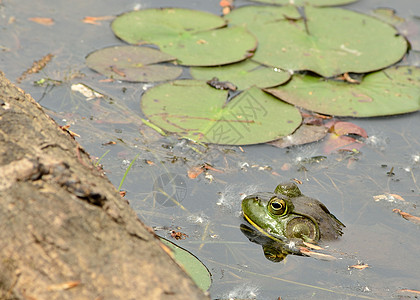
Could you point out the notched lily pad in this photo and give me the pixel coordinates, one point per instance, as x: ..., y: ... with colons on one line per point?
x: 389, y: 92
x: 195, y: 38
x: 244, y: 74
x: 327, y: 41
x: 132, y: 63
x: 193, y: 109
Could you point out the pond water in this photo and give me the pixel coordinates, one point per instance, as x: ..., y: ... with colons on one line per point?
x: 208, y: 208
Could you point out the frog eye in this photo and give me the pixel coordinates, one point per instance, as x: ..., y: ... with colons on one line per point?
x: 277, y: 206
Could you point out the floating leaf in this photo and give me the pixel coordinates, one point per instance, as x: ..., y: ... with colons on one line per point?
x: 327, y: 41
x: 338, y: 140
x: 191, y: 264
x: 409, y: 291
x: 193, y: 109
x: 42, y: 21
x: 317, y: 255
x: 133, y: 63
x: 244, y: 74
x: 407, y: 216
x: 343, y: 128
x: 392, y: 91
x: 303, y: 135
x: 359, y: 266
x: 311, y: 2
x: 195, y: 38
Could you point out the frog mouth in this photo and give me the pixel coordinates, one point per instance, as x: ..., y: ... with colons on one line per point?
x: 264, y: 232
x: 293, y: 225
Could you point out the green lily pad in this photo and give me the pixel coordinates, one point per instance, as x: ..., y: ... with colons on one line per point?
x: 191, y: 264
x: 334, y: 41
x: 389, y: 92
x: 193, y: 109
x: 195, y: 38
x: 131, y: 63
x: 243, y: 74
x: 310, y: 2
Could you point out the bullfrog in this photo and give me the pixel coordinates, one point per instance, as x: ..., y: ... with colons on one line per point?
x: 288, y: 215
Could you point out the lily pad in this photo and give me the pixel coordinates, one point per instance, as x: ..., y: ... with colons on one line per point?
x: 131, y: 63
x: 193, y: 109
x: 195, y: 38
x: 243, y: 74
x: 310, y: 2
x: 389, y: 92
x: 191, y: 264
x: 332, y: 41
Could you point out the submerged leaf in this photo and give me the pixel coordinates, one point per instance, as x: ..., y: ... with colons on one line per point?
x: 389, y: 92
x: 193, y: 109
x: 303, y: 135
x: 133, y: 63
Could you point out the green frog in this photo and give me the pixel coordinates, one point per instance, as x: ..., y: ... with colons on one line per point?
x: 288, y: 215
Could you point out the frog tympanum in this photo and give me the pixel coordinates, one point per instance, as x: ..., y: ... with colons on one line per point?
x: 288, y: 215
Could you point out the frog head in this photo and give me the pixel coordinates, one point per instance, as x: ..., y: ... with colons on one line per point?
x: 287, y: 214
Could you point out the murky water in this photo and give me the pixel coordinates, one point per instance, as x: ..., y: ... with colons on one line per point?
x: 209, y: 206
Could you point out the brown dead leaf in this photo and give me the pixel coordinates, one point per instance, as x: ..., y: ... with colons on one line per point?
x: 398, y: 197
x: 63, y: 286
x: 66, y: 129
x: 94, y: 20
x: 409, y: 291
x: 43, y: 21
x: 359, y: 266
x: 343, y: 128
x: 317, y: 255
x: 312, y: 246
x: 407, y: 216
x: 197, y: 170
